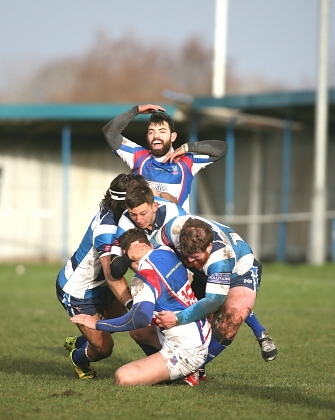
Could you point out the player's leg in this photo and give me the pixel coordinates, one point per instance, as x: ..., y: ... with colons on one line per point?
x: 147, y: 339
x: 95, y: 345
x: 100, y: 343
x: 266, y: 344
x: 237, y: 306
x: 150, y: 370
x: 234, y: 310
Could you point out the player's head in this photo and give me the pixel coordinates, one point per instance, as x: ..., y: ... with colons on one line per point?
x: 133, y: 235
x: 137, y: 239
x: 141, y: 205
x: 160, y: 134
x: 196, y: 239
x: 114, y: 199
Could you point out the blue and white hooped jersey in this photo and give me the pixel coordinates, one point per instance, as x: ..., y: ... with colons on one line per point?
x: 83, y: 277
x: 229, y: 254
x: 173, y: 178
x: 166, y: 285
x: 165, y: 212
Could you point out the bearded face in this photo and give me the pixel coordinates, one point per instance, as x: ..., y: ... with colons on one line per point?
x: 196, y: 260
x: 160, y: 138
x: 160, y: 149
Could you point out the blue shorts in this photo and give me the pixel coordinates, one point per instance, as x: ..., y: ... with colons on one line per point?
x: 90, y: 306
x: 251, y: 279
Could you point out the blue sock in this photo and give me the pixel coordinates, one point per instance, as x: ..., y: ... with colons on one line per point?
x: 254, y: 324
x: 80, y: 341
x: 79, y: 356
x: 214, y: 349
x: 148, y: 350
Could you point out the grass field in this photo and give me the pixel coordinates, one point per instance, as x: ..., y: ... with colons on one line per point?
x: 296, y: 303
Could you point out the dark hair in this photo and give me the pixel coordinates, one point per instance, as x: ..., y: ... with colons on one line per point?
x: 139, y: 194
x: 195, y: 236
x: 132, y: 235
x: 157, y: 118
x: 114, y: 199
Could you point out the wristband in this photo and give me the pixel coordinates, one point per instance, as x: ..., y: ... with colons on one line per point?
x: 176, y: 318
x: 185, y: 147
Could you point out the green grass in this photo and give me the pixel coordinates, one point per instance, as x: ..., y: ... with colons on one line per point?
x: 295, y: 303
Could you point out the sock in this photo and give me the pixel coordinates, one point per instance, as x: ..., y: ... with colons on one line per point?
x: 79, y: 356
x: 148, y: 350
x: 81, y: 340
x: 254, y: 324
x: 214, y: 349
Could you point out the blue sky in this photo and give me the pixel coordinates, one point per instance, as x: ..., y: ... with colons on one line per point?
x: 277, y: 39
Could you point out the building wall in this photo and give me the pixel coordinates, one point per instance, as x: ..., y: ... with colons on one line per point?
x: 35, y: 228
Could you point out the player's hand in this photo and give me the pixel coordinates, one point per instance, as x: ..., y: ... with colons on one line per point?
x: 136, y: 250
x: 155, y: 192
x: 149, y: 108
x: 174, y: 156
x: 165, y: 319
x: 83, y: 319
x: 165, y: 195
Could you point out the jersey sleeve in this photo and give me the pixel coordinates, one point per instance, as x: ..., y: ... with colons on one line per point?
x: 217, y: 288
x: 104, y: 235
x: 140, y: 314
x: 215, y: 149
x: 124, y: 224
x: 113, y: 129
x: 204, y: 153
x: 168, y: 234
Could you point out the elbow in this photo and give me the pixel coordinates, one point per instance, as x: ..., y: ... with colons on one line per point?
x: 142, y: 320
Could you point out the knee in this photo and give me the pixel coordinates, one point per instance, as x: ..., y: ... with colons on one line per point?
x: 231, y: 321
x: 102, y: 350
x: 120, y: 378
x: 233, y: 316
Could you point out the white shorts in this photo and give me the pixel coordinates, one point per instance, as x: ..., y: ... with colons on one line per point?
x: 183, y: 350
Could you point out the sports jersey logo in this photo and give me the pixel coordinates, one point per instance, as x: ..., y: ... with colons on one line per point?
x: 219, y: 278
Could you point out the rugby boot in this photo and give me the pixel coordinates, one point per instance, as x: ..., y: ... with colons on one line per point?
x: 70, y: 343
x: 268, y: 347
x: 192, y: 379
x: 84, y: 372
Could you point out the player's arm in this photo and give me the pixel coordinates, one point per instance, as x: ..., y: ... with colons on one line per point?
x: 165, y: 195
x: 215, y: 149
x: 117, y: 284
x: 113, y: 129
x: 139, y: 316
x: 217, y: 288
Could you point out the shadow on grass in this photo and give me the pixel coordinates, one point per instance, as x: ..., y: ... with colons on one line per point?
x: 273, y: 394
x: 25, y: 366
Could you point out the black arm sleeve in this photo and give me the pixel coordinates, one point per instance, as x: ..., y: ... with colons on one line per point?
x: 112, y: 130
x: 119, y: 265
x: 215, y: 149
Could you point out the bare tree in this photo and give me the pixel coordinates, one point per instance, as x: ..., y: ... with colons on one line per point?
x: 127, y: 70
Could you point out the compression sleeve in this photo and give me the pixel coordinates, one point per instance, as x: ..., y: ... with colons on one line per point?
x: 201, y: 309
x: 215, y: 149
x: 139, y: 316
x: 113, y: 129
